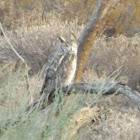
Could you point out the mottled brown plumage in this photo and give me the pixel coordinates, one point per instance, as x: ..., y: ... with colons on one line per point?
x: 61, y: 70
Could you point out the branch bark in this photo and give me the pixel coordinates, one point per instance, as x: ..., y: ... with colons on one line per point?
x: 79, y: 88
x: 91, y: 31
x: 14, y: 50
x: 109, y: 88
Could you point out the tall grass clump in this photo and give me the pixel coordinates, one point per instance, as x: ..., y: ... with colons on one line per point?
x: 78, y: 116
x: 61, y: 120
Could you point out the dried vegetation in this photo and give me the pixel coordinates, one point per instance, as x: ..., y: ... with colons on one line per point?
x: 91, y: 117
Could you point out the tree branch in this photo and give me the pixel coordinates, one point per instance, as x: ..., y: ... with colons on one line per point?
x: 91, y: 31
x: 108, y: 88
x: 20, y: 57
x: 14, y: 50
x: 79, y: 88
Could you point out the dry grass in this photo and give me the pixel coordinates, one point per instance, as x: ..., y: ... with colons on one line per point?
x: 120, y: 122
x: 15, y: 14
x: 37, y: 44
x: 14, y: 99
x: 112, y: 117
x: 109, y: 54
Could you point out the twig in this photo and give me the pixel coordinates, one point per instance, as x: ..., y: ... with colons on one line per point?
x: 8, y: 41
x: 20, y: 57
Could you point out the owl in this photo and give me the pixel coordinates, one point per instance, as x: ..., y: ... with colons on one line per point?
x: 61, y: 70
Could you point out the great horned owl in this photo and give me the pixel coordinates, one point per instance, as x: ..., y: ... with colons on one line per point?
x: 61, y: 70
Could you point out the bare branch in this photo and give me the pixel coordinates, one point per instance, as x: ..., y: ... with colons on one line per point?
x: 79, y: 88
x: 109, y: 88
x: 91, y: 31
x: 18, y: 55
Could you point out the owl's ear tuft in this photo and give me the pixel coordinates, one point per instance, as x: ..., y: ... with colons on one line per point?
x: 62, y: 39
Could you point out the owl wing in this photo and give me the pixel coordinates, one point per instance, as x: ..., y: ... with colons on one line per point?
x: 51, y: 72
